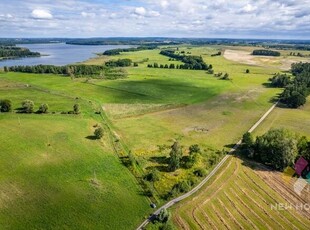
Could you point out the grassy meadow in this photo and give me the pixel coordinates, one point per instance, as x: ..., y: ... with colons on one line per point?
x: 54, y: 175
x: 191, y: 106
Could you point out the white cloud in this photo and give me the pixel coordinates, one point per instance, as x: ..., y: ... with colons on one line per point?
x: 164, y: 4
x: 140, y: 11
x: 198, y: 18
x: 41, y: 14
x: 248, y: 8
x: 88, y: 15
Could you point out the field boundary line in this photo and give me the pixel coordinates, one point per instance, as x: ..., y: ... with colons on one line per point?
x: 209, y: 176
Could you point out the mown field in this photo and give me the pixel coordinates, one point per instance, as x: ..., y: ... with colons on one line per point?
x: 54, y: 175
x: 241, y: 196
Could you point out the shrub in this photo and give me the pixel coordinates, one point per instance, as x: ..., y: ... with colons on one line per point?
x: 153, y: 176
x: 76, y: 109
x: 163, y: 216
x: 5, y: 106
x: 194, y: 149
x: 200, y: 172
x: 27, y: 106
x: 99, y: 132
x: 43, y: 108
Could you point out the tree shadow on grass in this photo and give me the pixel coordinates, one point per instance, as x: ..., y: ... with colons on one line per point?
x: 161, y: 168
x: 159, y: 160
x: 91, y: 137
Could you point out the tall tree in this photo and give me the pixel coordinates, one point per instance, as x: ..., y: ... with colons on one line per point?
x: 175, y: 156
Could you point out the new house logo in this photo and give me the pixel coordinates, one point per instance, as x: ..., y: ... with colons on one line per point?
x: 301, y: 168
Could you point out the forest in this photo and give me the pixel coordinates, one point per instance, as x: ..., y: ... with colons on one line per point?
x: 133, y: 49
x: 94, y: 71
x: 298, y: 89
x: 266, y: 53
x: 14, y: 51
x: 190, y: 62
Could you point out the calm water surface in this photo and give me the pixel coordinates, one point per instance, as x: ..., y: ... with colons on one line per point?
x: 59, y: 54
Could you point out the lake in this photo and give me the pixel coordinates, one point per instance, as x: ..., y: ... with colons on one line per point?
x: 59, y: 54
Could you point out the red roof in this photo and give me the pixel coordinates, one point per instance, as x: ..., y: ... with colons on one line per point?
x: 300, y: 165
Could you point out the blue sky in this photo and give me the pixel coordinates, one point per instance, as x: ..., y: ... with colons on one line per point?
x: 169, y: 18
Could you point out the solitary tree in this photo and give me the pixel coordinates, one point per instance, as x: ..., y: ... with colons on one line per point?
x: 27, y: 106
x: 43, y: 108
x: 247, y: 71
x: 5, y: 105
x: 99, y: 132
x: 175, y: 156
x: 76, y: 109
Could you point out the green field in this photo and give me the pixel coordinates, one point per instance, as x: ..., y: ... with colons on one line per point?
x: 61, y: 177
x: 53, y: 174
x: 191, y: 106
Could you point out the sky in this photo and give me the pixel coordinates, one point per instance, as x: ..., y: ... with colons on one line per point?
x: 286, y: 19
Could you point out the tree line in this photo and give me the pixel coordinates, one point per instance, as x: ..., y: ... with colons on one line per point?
x: 297, y: 90
x: 266, y: 53
x: 71, y: 70
x: 15, y: 52
x: 114, y: 52
x: 27, y: 106
x: 190, y: 61
x: 119, y: 63
x: 278, y: 148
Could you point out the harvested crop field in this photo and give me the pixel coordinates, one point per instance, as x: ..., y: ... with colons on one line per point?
x: 245, y: 195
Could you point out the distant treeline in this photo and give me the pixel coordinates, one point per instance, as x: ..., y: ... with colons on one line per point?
x: 119, y: 51
x: 288, y: 46
x: 266, y: 53
x: 297, y: 89
x: 71, y: 70
x: 190, y: 62
x: 119, y: 63
x: 14, y: 51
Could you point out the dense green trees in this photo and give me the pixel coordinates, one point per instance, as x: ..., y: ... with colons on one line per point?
x: 5, y: 106
x: 27, y: 106
x: 296, y: 92
x: 16, y: 52
x: 190, y: 62
x: 175, y: 156
x: 280, y: 80
x: 266, y: 53
x: 77, y: 70
x: 278, y: 148
x: 119, y: 51
x: 119, y: 63
x: 248, y: 140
